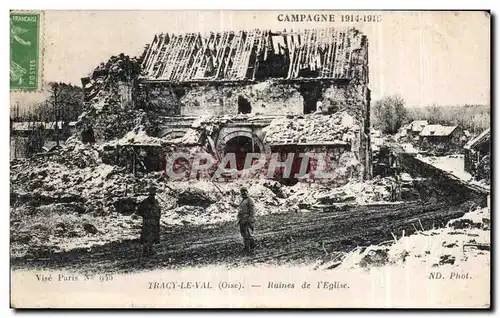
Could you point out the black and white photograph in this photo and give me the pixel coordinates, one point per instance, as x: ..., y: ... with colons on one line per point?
x: 250, y: 159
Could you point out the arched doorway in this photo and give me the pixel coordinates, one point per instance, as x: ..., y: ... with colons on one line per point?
x: 241, y: 146
x: 240, y: 142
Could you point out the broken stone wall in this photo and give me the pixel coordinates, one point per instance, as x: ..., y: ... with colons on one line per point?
x: 216, y: 99
x: 271, y: 98
x: 110, y: 110
x: 265, y: 98
x: 355, y: 99
x: 350, y: 97
x: 344, y: 165
x: 125, y: 91
x: 158, y: 96
x: 108, y: 116
x: 210, y: 100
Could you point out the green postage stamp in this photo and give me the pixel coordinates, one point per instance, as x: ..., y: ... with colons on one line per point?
x: 24, y: 51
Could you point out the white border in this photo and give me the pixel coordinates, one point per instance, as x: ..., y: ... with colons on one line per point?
x: 494, y: 5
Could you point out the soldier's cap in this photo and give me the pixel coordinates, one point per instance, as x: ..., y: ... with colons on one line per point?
x: 243, y: 189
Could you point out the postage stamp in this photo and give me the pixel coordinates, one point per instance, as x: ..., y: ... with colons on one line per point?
x: 24, y: 51
x: 250, y: 159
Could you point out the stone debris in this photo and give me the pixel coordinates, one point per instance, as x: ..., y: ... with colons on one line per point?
x: 376, y: 191
x: 336, y: 128
x: 462, y: 240
x: 137, y: 136
x: 107, y: 110
x: 193, y: 136
x: 89, y: 228
x: 62, y: 195
x: 194, y: 197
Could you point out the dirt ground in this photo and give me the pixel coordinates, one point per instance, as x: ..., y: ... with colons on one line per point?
x: 290, y: 238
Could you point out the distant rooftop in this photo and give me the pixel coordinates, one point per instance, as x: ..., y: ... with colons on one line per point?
x: 31, y: 125
x: 437, y: 130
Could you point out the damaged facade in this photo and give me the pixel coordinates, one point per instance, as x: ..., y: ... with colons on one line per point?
x: 259, y: 91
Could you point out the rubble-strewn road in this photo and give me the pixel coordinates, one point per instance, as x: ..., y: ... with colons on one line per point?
x: 285, y: 238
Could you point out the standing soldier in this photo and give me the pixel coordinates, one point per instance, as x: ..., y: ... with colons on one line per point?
x: 246, y: 220
x: 397, y: 176
x: 150, y: 211
x: 393, y: 188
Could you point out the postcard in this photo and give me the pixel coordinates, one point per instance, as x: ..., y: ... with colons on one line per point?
x: 250, y: 159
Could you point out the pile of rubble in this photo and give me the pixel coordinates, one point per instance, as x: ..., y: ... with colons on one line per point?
x: 58, y: 209
x: 137, y: 136
x: 336, y: 128
x: 57, y: 206
x: 302, y: 197
x: 75, y: 200
x: 108, y: 99
x: 59, y: 227
x: 73, y: 154
x: 71, y: 198
x: 193, y: 136
x: 463, y: 240
x: 205, y: 202
x: 93, y: 187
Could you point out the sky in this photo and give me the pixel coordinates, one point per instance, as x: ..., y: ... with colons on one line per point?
x: 426, y: 57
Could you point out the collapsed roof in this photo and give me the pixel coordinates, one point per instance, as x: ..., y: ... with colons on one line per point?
x: 249, y: 55
x: 481, y: 139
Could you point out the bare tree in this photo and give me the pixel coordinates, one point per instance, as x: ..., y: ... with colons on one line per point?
x: 389, y: 114
x: 65, y: 103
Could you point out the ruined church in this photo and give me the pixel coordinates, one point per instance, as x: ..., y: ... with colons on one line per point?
x: 262, y: 91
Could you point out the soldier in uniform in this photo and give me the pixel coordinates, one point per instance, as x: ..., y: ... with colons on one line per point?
x: 246, y: 220
x: 150, y: 211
